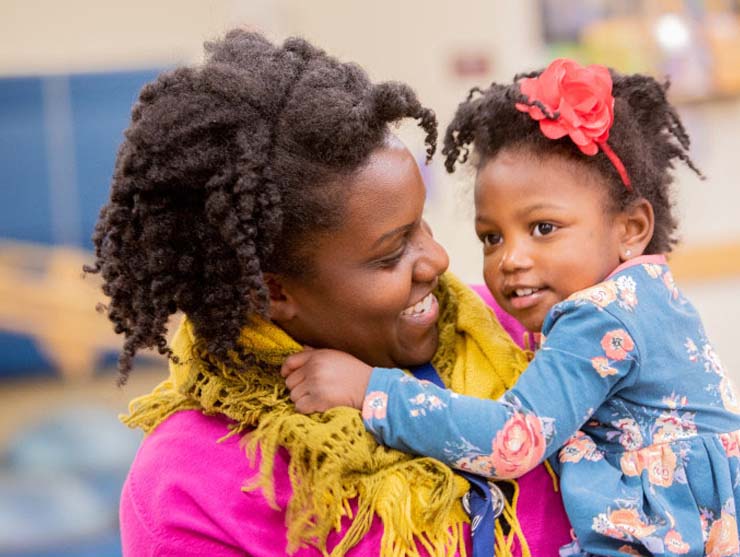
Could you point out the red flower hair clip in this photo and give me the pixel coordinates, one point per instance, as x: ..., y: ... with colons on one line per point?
x: 569, y: 99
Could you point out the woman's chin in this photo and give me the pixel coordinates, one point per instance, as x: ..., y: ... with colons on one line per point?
x: 420, y: 352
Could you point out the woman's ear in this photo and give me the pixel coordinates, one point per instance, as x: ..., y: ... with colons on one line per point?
x: 282, y: 306
x: 639, y: 222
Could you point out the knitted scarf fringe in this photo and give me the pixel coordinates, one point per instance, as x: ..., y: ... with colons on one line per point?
x: 333, y: 459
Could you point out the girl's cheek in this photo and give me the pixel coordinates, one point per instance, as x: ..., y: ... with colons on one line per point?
x: 490, y: 266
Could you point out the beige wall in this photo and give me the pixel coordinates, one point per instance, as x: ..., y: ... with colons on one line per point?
x: 82, y: 35
x: 410, y: 40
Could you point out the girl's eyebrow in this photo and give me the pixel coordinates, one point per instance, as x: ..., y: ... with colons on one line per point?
x: 399, y: 231
x: 524, y: 211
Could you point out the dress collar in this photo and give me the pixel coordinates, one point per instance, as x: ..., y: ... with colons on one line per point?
x: 656, y: 259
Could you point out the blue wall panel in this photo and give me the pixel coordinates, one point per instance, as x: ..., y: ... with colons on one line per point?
x: 101, y: 107
x: 24, y: 182
x: 58, y: 140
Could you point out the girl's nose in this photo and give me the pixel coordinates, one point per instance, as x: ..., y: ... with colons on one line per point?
x: 514, y: 257
x: 433, y: 259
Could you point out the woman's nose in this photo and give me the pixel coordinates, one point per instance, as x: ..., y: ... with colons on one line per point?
x: 433, y: 259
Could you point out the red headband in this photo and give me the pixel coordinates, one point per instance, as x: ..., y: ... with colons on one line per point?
x: 568, y: 99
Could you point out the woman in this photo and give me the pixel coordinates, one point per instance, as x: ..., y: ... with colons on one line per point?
x: 263, y: 196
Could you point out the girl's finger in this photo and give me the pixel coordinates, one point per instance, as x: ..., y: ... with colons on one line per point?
x: 294, y: 361
x: 294, y: 379
x: 298, y: 392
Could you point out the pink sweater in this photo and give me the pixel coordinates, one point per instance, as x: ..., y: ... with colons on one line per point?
x: 183, y: 498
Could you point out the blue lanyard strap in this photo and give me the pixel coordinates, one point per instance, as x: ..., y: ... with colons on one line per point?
x: 485, y: 501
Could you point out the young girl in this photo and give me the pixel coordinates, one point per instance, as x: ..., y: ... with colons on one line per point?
x: 626, y: 395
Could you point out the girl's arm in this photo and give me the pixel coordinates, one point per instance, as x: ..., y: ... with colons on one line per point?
x: 587, y: 357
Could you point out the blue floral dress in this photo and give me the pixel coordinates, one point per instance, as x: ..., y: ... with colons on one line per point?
x: 627, y: 399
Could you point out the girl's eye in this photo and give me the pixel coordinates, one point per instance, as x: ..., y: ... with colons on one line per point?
x: 543, y: 229
x: 491, y: 239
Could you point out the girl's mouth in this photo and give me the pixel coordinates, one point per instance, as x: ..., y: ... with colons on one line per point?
x: 520, y: 292
x: 524, y: 298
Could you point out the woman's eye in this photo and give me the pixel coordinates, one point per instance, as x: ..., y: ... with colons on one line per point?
x: 392, y: 260
x: 388, y: 263
x: 543, y: 229
x: 490, y: 239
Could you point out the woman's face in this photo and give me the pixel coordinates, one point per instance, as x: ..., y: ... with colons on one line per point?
x: 371, y: 290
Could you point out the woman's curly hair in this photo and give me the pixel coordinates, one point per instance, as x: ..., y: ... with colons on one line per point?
x: 225, y: 171
x: 647, y: 135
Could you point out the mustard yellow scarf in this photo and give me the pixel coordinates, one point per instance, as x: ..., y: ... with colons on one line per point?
x: 333, y: 459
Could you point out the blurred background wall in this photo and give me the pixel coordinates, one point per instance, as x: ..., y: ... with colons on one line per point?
x: 69, y: 73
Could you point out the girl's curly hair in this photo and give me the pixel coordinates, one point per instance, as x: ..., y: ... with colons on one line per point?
x: 225, y: 171
x: 647, y: 135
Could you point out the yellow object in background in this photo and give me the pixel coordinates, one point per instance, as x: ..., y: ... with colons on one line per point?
x: 622, y: 43
x: 44, y: 295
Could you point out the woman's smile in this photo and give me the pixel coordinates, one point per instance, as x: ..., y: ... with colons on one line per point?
x: 423, y: 313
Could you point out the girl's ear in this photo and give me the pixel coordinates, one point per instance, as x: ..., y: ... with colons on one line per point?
x: 639, y: 221
x: 282, y: 305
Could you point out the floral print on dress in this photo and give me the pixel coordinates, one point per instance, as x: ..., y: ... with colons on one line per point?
x: 628, y: 433
x: 517, y: 447
x: 675, y: 544
x: 731, y: 443
x: 628, y: 524
x: 375, y: 406
x: 674, y: 401
x: 691, y: 350
x: 662, y: 273
x: 617, y: 344
x: 627, y: 292
x: 580, y: 447
x: 603, y: 366
x: 470, y: 458
x: 729, y: 395
x: 633, y: 407
x: 672, y: 426
x: 653, y: 270
x: 658, y: 461
x: 711, y: 360
x: 722, y: 539
x: 670, y: 284
x: 423, y: 403
x: 600, y: 295
x: 725, y: 389
x: 629, y: 550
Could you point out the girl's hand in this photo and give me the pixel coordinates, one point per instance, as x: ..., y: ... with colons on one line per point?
x: 322, y: 379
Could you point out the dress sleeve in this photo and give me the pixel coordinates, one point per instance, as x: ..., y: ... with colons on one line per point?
x: 588, y: 356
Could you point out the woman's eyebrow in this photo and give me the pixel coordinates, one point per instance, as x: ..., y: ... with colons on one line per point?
x: 399, y: 231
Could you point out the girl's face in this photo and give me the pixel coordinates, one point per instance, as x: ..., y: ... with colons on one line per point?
x: 546, y: 230
x: 371, y: 290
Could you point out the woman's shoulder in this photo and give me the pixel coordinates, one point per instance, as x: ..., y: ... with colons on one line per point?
x: 189, y: 428
x: 190, y: 442
x: 184, y: 490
